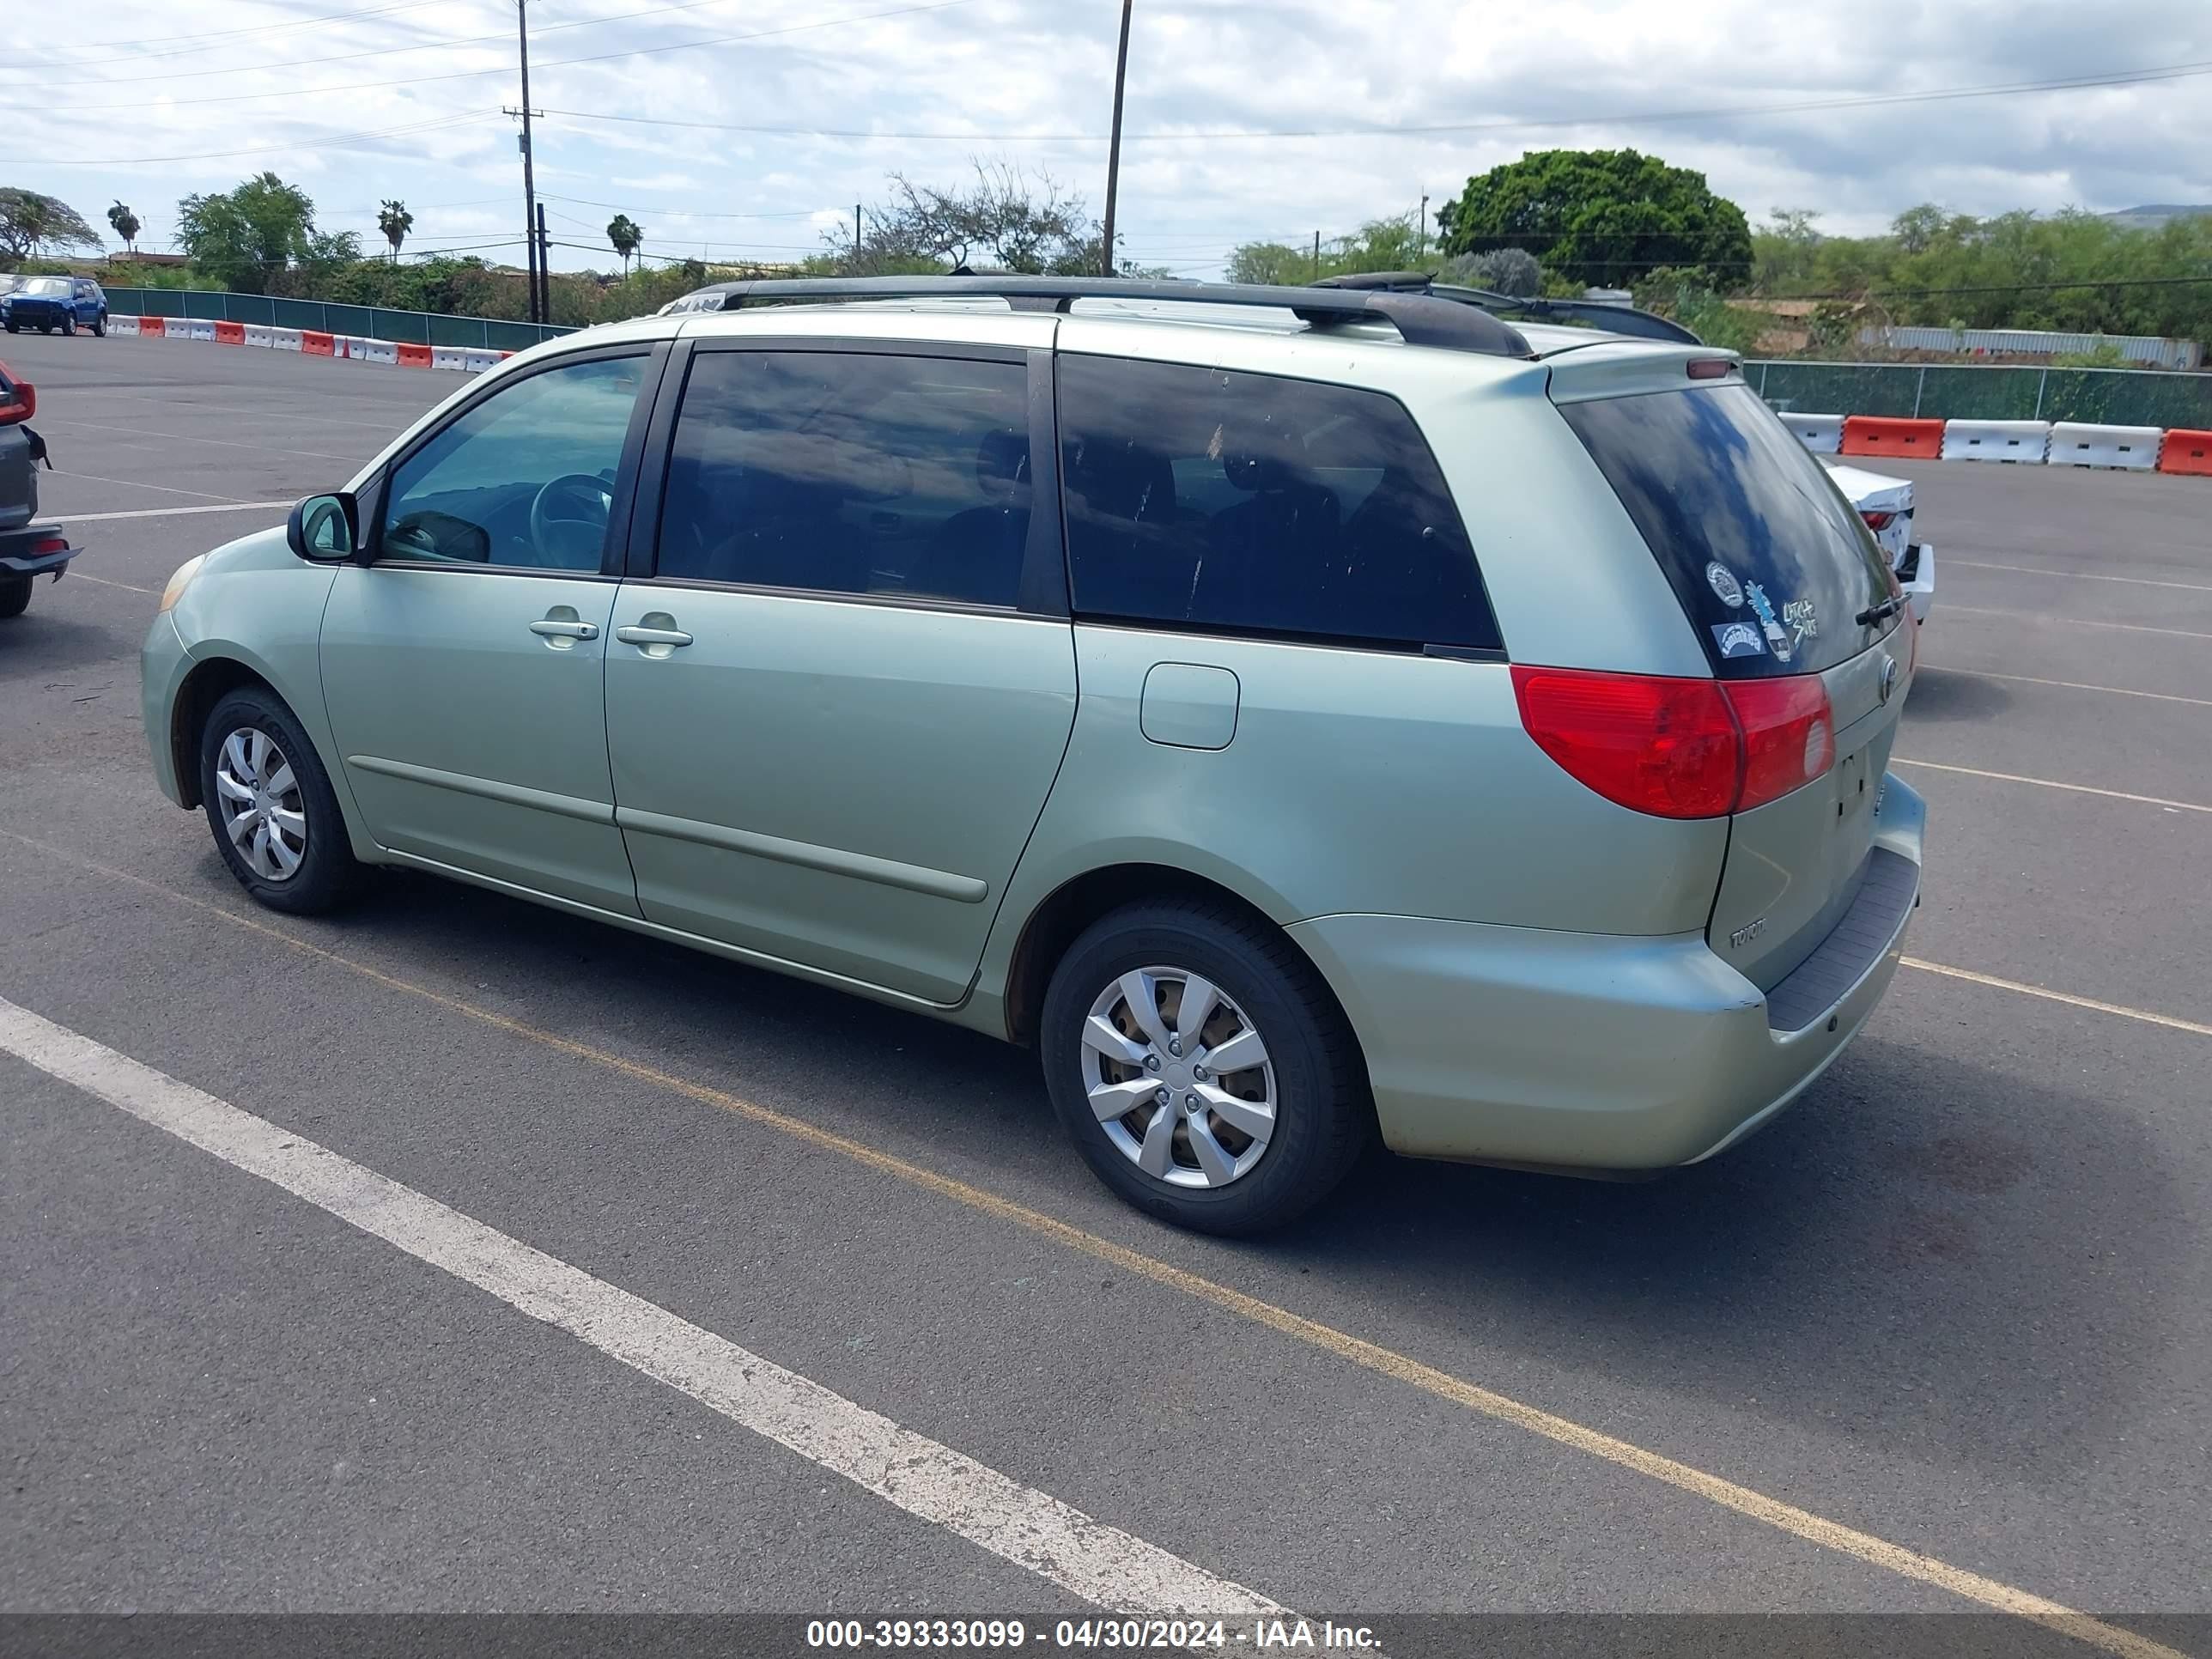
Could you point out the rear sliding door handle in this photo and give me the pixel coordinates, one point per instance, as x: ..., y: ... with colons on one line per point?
x: 664, y: 636
x: 554, y: 629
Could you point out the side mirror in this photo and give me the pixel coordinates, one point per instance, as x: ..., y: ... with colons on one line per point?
x: 324, y: 529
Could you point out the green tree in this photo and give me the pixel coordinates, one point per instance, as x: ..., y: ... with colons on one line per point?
x: 394, y: 220
x: 243, y: 237
x: 124, y: 223
x: 31, y: 224
x: 625, y: 235
x: 1602, y: 217
x: 1394, y: 244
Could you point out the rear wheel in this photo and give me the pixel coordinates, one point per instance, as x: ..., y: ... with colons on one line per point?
x: 14, y: 595
x: 269, y: 804
x: 1203, y: 1068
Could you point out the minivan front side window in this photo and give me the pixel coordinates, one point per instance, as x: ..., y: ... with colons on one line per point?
x: 526, y: 479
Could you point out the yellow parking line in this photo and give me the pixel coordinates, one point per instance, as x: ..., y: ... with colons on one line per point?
x: 2069, y: 685
x: 108, y: 582
x: 2078, y: 575
x: 1799, y: 1523
x: 2053, y: 783
x: 2068, y: 998
x: 2072, y: 622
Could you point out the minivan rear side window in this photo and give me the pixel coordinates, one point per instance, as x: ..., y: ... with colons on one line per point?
x: 1250, y: 503
x: 1766, y: 556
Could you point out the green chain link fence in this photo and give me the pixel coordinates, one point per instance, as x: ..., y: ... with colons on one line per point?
x: 2111, y: 396
x: 411, y: 327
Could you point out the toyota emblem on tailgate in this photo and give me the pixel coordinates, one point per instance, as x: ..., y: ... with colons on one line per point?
x: 1888, y: 677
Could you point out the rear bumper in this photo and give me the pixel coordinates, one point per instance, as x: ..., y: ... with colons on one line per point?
x: 16, y: 560
x: 1920, y: 560
x: 1593, y: 1052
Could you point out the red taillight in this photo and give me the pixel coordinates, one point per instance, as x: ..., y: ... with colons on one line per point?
x: 51, y: 545
x: 1679, y: 748
x: 1667, y: 747
x: 1788, y: 735
x: 1709, y: 368
x: 19, y: 400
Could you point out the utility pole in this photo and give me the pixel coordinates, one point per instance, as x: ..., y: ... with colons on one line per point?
x: 1316, y: 256
x: 856, y: 237
x: 1422, y: 240
x: 532, y: 218
x: 544, y: 303
x: 1113, y: 149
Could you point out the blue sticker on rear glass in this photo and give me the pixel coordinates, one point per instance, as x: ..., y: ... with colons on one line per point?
x: 1776, y: 637
x: 1738, y: 639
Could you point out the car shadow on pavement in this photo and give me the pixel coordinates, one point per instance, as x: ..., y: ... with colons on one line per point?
x: 1918, y: 1225
x: 1945, y: 696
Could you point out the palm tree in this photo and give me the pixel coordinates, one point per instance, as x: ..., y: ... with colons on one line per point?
x: 625, y: 236
x: 125, y: 225
x: 395, y: 221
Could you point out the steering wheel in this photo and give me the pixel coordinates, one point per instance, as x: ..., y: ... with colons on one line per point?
x: 569, y: 515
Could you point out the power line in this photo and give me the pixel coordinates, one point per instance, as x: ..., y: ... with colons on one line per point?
x: 685, y: 213
x: 338, y: 141
x: 2070, y: 83
x: 374, y: 51
x: 557, y: 63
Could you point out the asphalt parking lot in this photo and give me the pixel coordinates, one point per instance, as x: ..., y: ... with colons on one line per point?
x: 1939, y: 1341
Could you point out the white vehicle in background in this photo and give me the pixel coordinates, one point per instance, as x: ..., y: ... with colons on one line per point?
x: 1886, y: 504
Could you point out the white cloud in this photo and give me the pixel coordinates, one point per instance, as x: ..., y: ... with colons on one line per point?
x: 1567, y: 72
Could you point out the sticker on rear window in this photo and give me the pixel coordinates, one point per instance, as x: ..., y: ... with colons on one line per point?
x: 1803, y: 625
x: 1738, y: 639
x: 1725, y: 584
x: 1775, y: 636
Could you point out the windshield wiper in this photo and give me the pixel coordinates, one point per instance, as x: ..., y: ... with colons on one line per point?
x: 1883, y: 612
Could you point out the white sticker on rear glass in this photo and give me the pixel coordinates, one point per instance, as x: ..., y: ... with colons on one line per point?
x: 1776, y: 637
x: 1738, y: 639
x: 1803, y: 625
x: 1725, y: 584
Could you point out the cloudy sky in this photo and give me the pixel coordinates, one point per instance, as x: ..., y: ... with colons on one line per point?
x: 747, y: 128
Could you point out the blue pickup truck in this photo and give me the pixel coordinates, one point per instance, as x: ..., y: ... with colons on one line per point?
x: 28, y: 550
x: 48, y: 303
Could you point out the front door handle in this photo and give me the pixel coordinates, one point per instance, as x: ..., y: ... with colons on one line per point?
x: 652, y: 636
x: 553, y: 628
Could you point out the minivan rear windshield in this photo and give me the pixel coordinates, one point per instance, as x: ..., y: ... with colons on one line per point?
x: 1768, y: 559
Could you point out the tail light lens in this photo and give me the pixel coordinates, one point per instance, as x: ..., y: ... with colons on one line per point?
x: 1877, y: 521
x: 18, y: 400
x: 1679, y: 748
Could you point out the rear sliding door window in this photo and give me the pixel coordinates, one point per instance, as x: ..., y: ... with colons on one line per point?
x: 1768, y: 559
x: 1247, y: 503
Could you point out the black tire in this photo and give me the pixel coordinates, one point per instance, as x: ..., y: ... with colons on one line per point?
x: 1324, y: 1115
x: 69, y: 323
x: 99, y: 326
x: 327, y: 874
x: 15, y: 328
x: 14, y: 595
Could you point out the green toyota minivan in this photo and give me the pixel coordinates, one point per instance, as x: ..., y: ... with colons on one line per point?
x: 1298, y: 714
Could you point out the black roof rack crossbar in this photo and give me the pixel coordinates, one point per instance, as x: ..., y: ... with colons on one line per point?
x: 1419, y: 318
x: 1616, y: 319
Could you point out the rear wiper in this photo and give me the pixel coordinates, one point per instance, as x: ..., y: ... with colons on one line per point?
x: 1883, y: 612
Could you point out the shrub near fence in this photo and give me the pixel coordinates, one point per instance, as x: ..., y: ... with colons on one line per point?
x: 410, y: 327
x: 2111, y: 396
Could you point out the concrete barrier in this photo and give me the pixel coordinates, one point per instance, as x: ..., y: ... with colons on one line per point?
x: 2079, y: 443
x: 2186, y: 450
x: 1893, y: 436
x: 414, y: 356
x: 476, y: 362
x: 316, y: 343
x: 451, y: 357
x: 230, y: 333
x: 201, y: 328
x: 257, y: 334
x: 126, y: 327
x: 1822, y: 434
x: 284, y: 339
x: 2016, y: 442
x: 176, y: 328
x: 374, y: 350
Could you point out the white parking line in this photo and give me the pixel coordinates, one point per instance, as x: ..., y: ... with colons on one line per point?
x: 2062, y: 620
x: 1101, y: 1563
x: 218, y: 443
x: 2066, y: 997
x: 176, y: 511
x: 2077, y: 575
x: 2027, y: 679
x: 166, y: 490
x: 2053, y: 783
x: 109, y: 582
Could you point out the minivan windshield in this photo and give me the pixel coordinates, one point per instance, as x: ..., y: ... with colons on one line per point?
x: 1768, y: 559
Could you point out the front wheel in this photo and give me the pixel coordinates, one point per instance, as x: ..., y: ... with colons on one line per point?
x: 99, y: 326
x: 69, y: 323
x: 14, y: 595
x: 270, y: 804
x: 1203, y: 1068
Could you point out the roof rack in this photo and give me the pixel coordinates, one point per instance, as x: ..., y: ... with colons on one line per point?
x: 1618, y: 320
x: 1419, y: 318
